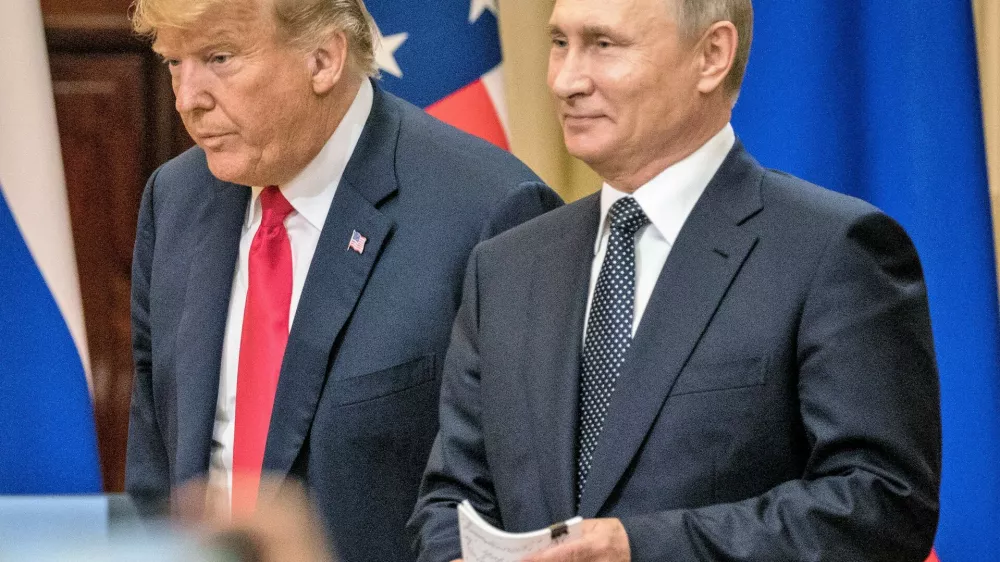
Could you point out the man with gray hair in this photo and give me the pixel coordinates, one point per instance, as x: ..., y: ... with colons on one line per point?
x: 706, y: 360
x: 296, y: 274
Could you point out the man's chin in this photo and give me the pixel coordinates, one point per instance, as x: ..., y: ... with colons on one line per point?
x: 227, y: 170
x: 586, y: 149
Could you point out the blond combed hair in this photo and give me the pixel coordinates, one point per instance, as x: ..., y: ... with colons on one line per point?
x: 694, y: 17
x: 302, y: 23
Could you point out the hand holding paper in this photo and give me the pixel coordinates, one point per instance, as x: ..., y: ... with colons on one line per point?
x: 482, y: 542
x: 601, y: 540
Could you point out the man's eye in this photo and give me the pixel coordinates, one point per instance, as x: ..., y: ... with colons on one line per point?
x: 559, y: 42
x: 604, y: 44
x: 171, y: 62
x: 219, y: 59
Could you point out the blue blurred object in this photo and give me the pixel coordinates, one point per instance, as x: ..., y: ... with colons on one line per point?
x: 90, y: 529
x: 53, y: 518
x: 881, y: 100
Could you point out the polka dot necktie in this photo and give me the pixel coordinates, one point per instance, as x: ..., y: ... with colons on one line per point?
x: 609, y: 330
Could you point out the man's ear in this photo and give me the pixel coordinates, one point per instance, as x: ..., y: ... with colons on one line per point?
x: 717, y: 52
x: 328, y: 62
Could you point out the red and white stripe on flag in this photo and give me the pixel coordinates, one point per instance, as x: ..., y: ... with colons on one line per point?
x: 478, y: 109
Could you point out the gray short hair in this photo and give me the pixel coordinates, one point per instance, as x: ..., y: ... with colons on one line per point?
x: 696, y: 16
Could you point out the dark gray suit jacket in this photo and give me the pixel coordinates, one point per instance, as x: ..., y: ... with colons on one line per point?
x: 356, y: 407
x: 779, y: 400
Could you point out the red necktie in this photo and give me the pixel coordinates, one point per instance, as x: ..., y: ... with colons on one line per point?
x: 262, y: 345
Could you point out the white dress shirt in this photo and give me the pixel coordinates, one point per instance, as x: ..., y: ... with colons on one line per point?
x: 310, y: 193
x: 667, y: 200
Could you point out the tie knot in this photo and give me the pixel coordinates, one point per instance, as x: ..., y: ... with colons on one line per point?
x: 274, y: 207
x: 626, y: 216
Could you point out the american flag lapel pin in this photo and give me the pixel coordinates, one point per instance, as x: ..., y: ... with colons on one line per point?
x: 357, y: 242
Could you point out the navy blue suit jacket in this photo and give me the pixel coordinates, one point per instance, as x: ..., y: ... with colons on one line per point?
x: 779, y: 401
x: 356, y: 407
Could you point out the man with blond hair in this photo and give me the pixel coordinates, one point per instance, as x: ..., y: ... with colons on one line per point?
x: 706, y: 360
x: 296, y: 273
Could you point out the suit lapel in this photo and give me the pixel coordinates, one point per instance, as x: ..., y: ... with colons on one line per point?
x: 552, y: 366
x: 203, y: 323
x: 706, y: 257
x: 336, y: 279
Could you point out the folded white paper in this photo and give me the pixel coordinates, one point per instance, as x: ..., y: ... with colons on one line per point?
x: 482, y: 542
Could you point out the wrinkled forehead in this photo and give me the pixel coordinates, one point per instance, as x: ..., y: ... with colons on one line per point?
x: 604, y: 15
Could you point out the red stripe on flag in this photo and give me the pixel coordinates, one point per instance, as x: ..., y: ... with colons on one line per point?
x: 933, y: 557
x: 471, y: 110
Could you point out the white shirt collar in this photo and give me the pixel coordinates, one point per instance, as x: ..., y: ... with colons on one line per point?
x: 311, y: 191
x: 669, y: 198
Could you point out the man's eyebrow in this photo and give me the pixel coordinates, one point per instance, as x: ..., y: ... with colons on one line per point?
x: 598, y: 30
x: 590, y: 31
x: 224, y: 38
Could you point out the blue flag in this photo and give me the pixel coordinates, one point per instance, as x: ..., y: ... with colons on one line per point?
x: 880, y: 100
x: 47, y: 440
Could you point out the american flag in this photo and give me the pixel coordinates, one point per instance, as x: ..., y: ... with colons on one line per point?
x: 444, y: 56
x: 357, y: 242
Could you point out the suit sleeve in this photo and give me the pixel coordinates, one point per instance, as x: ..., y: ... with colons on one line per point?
x: 523, y: 202
x: 147, y: 475
x: 457, y: 467
x: 869, y: 401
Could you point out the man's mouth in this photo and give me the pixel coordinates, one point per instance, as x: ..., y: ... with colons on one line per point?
x: 212, y: 140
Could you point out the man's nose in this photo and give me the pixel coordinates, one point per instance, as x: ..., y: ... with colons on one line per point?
x: 570, y: 75
x: 190, y: 88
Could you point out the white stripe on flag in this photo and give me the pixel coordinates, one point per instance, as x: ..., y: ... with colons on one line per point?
x: 493, y: 81
x: 31, y: 170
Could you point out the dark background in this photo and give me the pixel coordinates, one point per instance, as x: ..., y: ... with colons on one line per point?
x: 116, y: 124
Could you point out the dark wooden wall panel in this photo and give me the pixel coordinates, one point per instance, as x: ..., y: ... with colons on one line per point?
x: 100, y: 107
x: 116, y: 124
x: 105, y: 7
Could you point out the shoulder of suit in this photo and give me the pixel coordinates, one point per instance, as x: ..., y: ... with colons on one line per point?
x: 185, y: 177
x: 789, y: 198
x: 427, y: 143
x: 190, y: 164
x: 566, y: 220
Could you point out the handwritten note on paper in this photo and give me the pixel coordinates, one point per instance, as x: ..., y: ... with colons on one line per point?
x: 482, y: 542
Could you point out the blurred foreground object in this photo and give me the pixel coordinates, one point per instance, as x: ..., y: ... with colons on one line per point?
x: 89, y: 528
x: 284, y: 527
